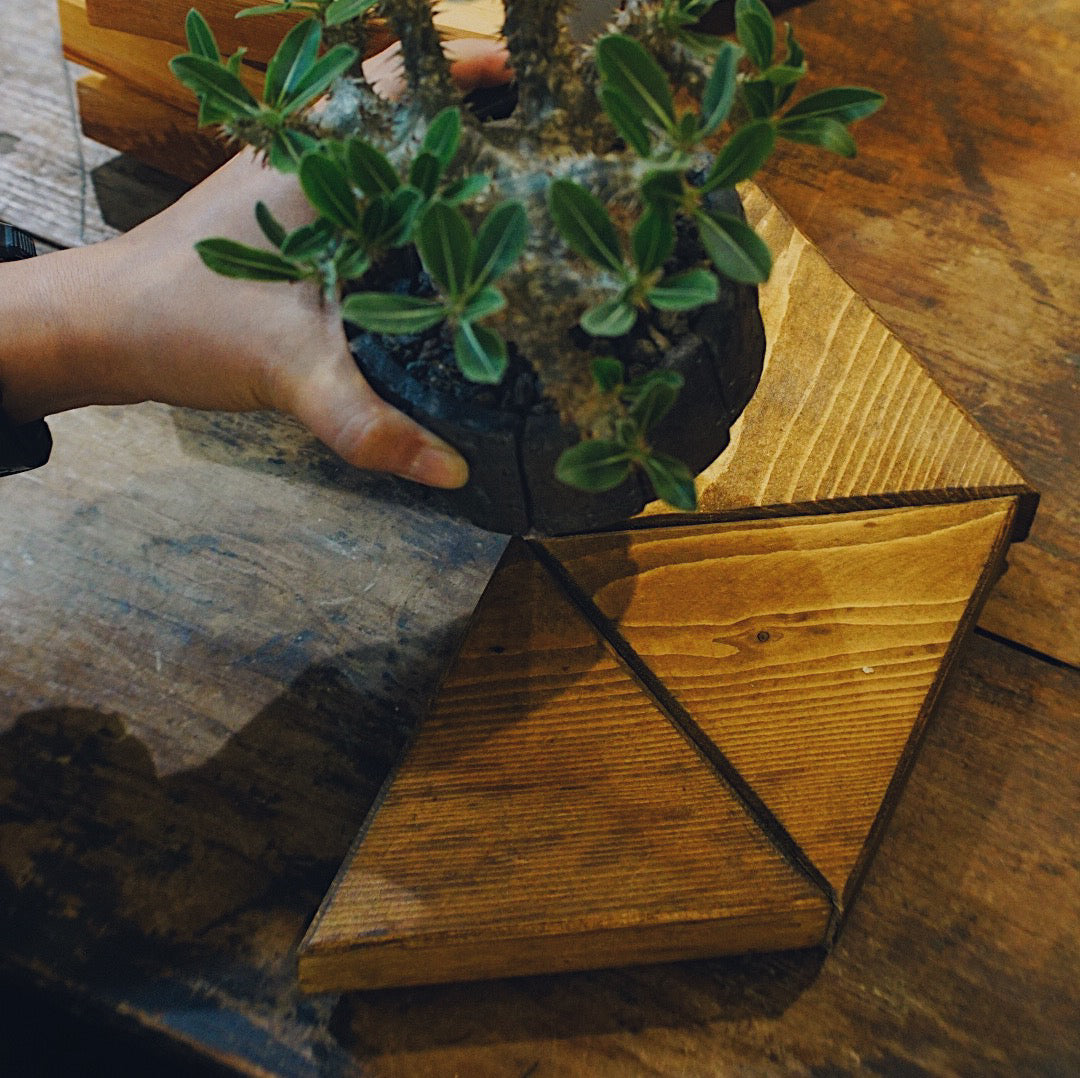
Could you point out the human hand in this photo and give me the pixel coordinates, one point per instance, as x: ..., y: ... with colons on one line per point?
x: 140, y: 317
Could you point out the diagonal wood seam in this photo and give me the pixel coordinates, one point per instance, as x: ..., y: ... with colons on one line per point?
x: 992, y: 569
x: 1027, y: 504
x: 748, y: 798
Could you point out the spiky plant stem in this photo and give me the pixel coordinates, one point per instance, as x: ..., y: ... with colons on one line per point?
x: 427, y: 70
x: 542, y: 55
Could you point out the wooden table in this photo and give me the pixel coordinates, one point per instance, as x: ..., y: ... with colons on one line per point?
x: 163, y: 850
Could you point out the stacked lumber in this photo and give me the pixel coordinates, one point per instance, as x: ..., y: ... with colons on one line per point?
x: 130, y: 100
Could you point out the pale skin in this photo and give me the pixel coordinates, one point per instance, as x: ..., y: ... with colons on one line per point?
x: 140, y: 318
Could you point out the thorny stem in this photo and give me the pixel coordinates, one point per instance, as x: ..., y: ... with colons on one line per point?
x: 542, y: 54
x: 427, y: 70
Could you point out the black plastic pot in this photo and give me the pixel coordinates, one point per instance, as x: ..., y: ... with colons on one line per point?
x: 512, y: 486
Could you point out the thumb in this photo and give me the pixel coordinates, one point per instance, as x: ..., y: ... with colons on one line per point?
x: 339, y: 407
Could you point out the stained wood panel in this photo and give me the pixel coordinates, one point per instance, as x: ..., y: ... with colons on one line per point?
x: 262, y: 34
x: 550, y: 817
x: 808, y: 651
x: 957, y: 224
x: 162, y: 135
x: 844, y: 409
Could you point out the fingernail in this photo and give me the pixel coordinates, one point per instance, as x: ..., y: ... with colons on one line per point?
x: 439, y: 466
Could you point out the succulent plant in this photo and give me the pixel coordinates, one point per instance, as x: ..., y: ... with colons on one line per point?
x: 552, y: 233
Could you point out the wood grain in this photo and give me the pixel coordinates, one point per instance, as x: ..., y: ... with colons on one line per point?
x: 963, y: 936
x: 844, y: 410
x: 160, y: 134
x: 45, y: 163
x: 957, y: 223
x: 808, y: 651
x: 140, y: 62
x: 549, y: 817
x: 262, y: 34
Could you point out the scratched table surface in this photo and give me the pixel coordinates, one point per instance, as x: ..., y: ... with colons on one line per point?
x: 215, y: 638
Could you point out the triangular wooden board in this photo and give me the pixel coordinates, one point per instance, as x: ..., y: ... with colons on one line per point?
x: 550, y: 817
x: 806, y: 649
x: 844, y: 412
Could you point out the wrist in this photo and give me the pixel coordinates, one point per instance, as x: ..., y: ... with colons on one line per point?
x: 54, y: 354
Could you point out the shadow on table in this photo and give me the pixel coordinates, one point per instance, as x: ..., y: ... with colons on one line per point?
x: 129, y: 192
x: 181, y: 899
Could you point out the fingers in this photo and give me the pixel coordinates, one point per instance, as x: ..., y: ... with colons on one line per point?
x: 342, y: 410
x: 474, y: 62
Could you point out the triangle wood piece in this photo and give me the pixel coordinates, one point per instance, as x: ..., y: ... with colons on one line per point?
x: 844, y: 412
x: 807, y: 650
x: 550, y: 817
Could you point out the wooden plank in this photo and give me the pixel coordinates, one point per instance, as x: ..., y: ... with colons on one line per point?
x: 955, y: 224
x: 137, y: 61
x: 239, y: 631
x: 807, y: 651
x: 963, y: 934
x: 44, y: 162
x: 549, y: 817
x: 160, y: 134
x: 164, y: 21
x: 844, y: 411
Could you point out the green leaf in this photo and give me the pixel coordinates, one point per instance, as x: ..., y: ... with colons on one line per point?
x: 663, y: 189
x: 652, y: 397
x: 822, y: 131
x: 266, y: 9
x: 782, y: 75
x: 499, y: 242
x: 387, y: 312
x: 341, y: 11
x: 293, y: 60
x: 685, y: 291
x: 446, y: 246
x: 628, y: 123
x: 309, y: 241
x: 287, y: 148
x: 755, y: 31
x: 845, y: 104
x: 486, y: 302
x: 742, y: 155
x: 652, y: 240
x: 607, y: 373
x: 672, y: 481
x: 327, y: 188
x: 232, y: 259
x: 425, y: 172
x: 736, y: 250
x: 795, y: 55
x: 719, y: 93
x: 221, y: 87
x: 443, y: 135
x: 370, y: 170
x: 612, y: 318
x: 762, y: 98
x: 461, y: 190
x: 200, y: 37
x: 404, y: 205
x: 595, y: 465
x: 234, y: 61
x: 319, y: 77
x: 585, y: 225
x: 628, y: 67
x: 271, y: 228
x: 353, y: 261
x: 480, y: 353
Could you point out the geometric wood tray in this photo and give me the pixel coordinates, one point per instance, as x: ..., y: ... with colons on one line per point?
x: 683, y: 738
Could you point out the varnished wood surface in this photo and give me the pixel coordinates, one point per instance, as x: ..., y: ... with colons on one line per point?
x: 957, y: 222
x: 667, y: 742
x: 959, y: 955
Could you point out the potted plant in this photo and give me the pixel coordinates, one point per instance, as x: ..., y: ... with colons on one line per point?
x: 566, y: 291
